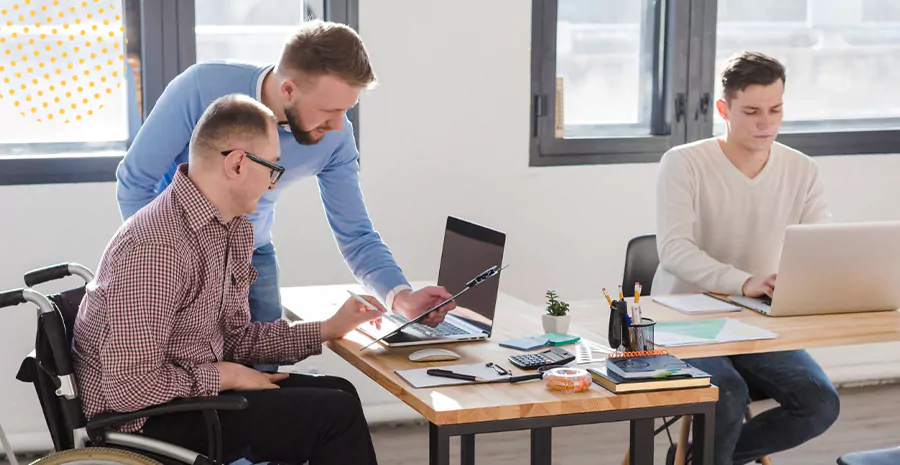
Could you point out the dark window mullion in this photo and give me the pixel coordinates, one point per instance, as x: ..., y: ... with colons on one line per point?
x: 677, y: 55
x: 547, y: 79
x: 702, y: 74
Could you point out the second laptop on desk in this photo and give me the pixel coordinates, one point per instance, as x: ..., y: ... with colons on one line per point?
x: 834, y: 268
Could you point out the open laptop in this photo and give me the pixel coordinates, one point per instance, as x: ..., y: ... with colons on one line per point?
x: 835, y: 268
x: 469, y: 249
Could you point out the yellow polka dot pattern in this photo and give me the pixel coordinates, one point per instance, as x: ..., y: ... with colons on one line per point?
x: 60, y: 59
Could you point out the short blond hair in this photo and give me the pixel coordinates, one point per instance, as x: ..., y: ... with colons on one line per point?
x: 321, y: 47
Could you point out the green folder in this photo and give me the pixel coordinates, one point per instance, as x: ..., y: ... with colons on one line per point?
x: 558, y: 339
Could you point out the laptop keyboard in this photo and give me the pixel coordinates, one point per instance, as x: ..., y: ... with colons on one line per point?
x: 443, y: 328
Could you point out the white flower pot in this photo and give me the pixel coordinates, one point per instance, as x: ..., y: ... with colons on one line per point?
x: 556, y: 324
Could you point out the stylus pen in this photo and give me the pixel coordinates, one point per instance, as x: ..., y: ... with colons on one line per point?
x: 364, y: 302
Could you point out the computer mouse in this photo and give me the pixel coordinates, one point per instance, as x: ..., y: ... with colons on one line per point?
x: 433, y: 355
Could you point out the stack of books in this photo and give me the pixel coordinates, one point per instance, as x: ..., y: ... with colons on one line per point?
x: 647, y: 371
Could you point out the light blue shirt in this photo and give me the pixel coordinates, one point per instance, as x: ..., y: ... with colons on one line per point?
x: 162, y: 144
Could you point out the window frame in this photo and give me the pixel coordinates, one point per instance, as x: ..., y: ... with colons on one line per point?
x: 688, y: 81
x: 168, y: 47
x: 669, y: 72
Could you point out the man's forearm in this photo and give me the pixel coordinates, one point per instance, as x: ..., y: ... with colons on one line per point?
x: 276, y: 342
x: 690, y: 264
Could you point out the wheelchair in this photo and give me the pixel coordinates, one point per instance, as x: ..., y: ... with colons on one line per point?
x: 49, y: 367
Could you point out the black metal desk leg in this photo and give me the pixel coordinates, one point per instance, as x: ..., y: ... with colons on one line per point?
x: 641, y: 443
x: 541, y: 446
x: 467, y: 449
x: 438, y: 446
x: 704, y: 436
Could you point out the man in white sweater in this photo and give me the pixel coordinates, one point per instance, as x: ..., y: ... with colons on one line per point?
x: 723, y: 205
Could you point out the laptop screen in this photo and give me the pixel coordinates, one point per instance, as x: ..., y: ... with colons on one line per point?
x: 470, y: 249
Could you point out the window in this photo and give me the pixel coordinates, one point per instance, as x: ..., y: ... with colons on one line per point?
x: 254, y: 30
x: 604, y: 83
x: 620, y: 81
x: 71, y: 88
x: 603, y: 79
x: 841, y: 57
x: 248, y: 30
x: 164, y: 38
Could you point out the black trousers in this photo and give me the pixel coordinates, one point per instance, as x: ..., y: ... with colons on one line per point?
x: 312, y: 418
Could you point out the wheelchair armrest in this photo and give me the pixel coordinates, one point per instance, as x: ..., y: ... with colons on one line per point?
x: 191, y: 404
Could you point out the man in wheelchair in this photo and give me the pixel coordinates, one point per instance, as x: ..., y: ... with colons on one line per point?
x: 167, y: 313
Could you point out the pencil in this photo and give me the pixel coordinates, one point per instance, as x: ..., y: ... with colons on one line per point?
x: 637, y: 292
x: 608, y: 299
x: 621, y: 296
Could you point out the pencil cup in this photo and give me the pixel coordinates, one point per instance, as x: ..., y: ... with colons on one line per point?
x: 640, y: 336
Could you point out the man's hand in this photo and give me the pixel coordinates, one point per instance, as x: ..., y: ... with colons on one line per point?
x: 412, y: 304
x: 757, y: 286
x: 352, y: 314
x: 237, y: 377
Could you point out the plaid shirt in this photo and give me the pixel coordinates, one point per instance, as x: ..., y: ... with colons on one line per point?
x: 170, y: 299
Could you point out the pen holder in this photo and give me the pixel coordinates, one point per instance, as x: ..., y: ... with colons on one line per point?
x: 640, y: 336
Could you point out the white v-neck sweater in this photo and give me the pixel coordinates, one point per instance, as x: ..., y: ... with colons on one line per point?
x: 716, y: 227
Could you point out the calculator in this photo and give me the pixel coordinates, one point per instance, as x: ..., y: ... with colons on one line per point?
x: 554, y: 356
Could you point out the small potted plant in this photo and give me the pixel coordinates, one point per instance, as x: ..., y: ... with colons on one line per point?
x: 556, y: 320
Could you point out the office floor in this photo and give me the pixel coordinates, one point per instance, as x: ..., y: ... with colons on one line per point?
x: 868, y: 421
x: 864, y: 424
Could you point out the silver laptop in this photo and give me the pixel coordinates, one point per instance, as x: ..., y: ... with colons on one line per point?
x: 469, y: 249
x: 835, y: 268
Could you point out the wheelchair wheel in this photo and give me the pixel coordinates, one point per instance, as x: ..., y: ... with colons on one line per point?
x: 95, y: 456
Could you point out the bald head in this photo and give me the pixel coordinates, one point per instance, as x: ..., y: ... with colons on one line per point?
x: 231, y: 122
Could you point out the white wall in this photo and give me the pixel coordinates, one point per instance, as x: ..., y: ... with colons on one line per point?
x: 446, y: 132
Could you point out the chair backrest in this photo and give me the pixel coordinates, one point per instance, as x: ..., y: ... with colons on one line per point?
x: 641, y: 261
x: 52, y: 354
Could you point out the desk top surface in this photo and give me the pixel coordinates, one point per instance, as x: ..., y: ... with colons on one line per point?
x: 794, y: 332
x: 476, y: 403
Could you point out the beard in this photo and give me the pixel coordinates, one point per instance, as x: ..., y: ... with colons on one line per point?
x: 302, y: 137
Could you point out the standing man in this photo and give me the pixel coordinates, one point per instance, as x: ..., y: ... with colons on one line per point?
x: 319, y: 76
x: 722, y: 208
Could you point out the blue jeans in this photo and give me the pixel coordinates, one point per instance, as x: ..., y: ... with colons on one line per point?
x: 809, y: 403
x: 265, y: 297
x: 265, y: 302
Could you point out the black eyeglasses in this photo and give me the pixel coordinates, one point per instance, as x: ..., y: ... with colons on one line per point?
x: 276, y: 173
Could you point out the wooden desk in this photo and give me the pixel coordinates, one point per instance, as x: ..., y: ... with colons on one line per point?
x: 794, y: 332
x: 468, y: 410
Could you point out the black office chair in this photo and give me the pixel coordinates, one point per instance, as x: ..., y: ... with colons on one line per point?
x: 50, y: 368
x: 872, y: 457
x: 641, y: 261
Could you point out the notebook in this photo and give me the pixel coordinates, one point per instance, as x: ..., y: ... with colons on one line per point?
x: 419, y: 377
x: 559, y: 339
x: 526, y: 343
x: 697, y: 378
x: 694, y: 304
x: 647, y: 367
